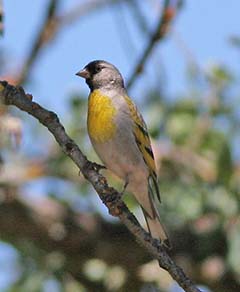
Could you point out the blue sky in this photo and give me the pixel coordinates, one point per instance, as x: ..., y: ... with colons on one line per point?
x: 204, y: 26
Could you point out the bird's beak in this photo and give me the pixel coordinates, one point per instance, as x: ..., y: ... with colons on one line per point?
x: 83, y: 73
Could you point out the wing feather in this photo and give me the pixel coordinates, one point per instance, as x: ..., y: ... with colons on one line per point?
x: 144, y: 145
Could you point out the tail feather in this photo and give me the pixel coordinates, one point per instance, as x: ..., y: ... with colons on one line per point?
x: 147, y: 196
x: 156, y: 229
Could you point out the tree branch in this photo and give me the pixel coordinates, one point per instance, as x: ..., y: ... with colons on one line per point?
x: 51, y: 26
x: 16, y: 96
x: 1, y: 17
x: 82, y: 9
x: 161, y: 29
x: 44, y: 35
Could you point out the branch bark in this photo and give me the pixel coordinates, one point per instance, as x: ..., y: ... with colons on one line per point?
x: 16, y: 96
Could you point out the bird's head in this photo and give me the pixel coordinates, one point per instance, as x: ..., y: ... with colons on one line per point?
x: 101, y: 74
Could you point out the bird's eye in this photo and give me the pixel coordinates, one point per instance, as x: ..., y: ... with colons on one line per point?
x: 98, y: 69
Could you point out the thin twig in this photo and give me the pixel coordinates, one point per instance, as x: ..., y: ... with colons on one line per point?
x: 1, y: 17
x: 138, y: 16
x: 161, y: 29
x: 43, y: 35
x: 52, y: 25
x: 16, y: 96
x: 123, y: 31
x: 82, y: 9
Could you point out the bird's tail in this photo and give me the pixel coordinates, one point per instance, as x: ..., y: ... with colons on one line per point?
x: 153, y: 219
x: 147, y: 196
x: 156, y: 229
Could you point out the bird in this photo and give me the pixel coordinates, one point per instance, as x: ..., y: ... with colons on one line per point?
x: 120, y: 138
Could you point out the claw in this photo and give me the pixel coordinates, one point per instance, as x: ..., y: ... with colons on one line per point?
x: 94, y: 166
x: 97, y: 166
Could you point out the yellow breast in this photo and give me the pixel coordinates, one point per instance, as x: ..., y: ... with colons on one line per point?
x: 101, y: 112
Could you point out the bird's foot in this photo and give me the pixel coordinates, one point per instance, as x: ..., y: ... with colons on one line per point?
x: 97, y: 166
x: 94, y: 166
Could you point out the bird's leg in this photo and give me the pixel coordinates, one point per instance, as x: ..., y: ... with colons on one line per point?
x: 125, y: 186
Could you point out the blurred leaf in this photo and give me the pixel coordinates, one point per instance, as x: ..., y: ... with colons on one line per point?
x: 95, y: 269
x: 186, y: 105
x: 219, y: 75
x: 179, y: 126
x: 212, y: 142
x: 222, y: 201
x: 225, y: 167
x: 33, y: 283
x: 188, y: 206
x: 234, y: 245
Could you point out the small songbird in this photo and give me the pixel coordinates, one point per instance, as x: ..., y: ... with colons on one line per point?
x: 120, y: 137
